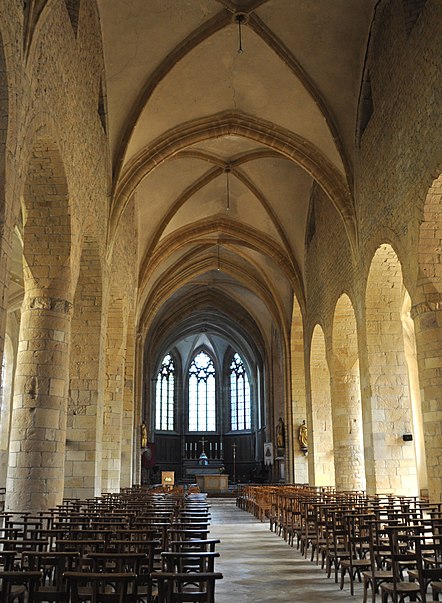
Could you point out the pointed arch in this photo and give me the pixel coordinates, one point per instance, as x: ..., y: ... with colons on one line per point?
x: 426, y: 313
x: 346, y: 395
x: 391, y: 466
x: 82, y: 447
x: 321, y: 461
x: 234, y: 123
x: 299, y: 398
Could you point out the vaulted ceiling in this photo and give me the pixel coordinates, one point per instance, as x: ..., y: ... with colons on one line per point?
x: 222, y: 115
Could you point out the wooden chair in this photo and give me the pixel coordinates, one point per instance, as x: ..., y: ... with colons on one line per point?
x: 196, y: 545
x: 52, y: 565
x: 18, y: 584
x: 378, y: 551
x: 101, y: 587
x: 428, y: 564
x: 139, y: 563
x: 436, y: 589
x: 7, y: 560
x: 336, y: 549
x: 201, y: 562
x: 186, y: 587
x: 356, y: 536
x: 400, y: 557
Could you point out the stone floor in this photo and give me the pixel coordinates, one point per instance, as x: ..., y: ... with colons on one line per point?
x: 258, y: 566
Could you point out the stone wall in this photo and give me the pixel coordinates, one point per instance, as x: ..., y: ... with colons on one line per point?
x: 59, y: 101
x: 398, y: 158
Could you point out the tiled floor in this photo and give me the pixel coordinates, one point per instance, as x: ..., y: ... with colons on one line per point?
x: 258, y: 566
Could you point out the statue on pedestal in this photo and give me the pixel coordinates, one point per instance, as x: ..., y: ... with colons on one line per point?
x: 302, y: 437
x: 280, y: 434
x: 143, y: 432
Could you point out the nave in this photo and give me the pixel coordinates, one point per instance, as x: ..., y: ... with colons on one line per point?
x: 259, y: 567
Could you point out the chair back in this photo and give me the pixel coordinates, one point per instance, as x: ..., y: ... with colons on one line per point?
x: 186, y: 587
x: 102, y: 587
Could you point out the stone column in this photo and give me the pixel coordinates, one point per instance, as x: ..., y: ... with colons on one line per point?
x: 428, y: 330
x: 38, y: 434
x: 347, y: 433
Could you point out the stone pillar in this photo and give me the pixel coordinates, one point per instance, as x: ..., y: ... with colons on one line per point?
x: 299, y: 396
x: 428, y: 329
x: 127, y: 439
x: 347, y: 434
x: 38, y: 434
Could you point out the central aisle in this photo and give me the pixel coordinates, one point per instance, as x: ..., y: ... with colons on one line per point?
x: 259, y: 566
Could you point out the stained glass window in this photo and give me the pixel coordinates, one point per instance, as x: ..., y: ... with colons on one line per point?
x: 165, y: 395
x: 202, y: 415
x: 240, y: 406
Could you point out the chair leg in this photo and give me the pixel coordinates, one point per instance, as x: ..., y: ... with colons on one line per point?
x: 365, y: 590
x: 352, y: 579
x: 341, y: 585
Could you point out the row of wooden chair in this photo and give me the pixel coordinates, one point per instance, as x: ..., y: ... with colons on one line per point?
x: 390, y: 543
x: 137, y: 547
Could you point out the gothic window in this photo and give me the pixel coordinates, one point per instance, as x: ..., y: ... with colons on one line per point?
x: 240, y: 406
x: 202, y: 393
x: 165, y: 395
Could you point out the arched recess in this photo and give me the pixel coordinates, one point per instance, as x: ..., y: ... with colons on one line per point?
x: 128, y: 436
x: 415, y: 394
x: 390, y: 461
x: 427, y: 315
x: 113, y: 394
x: 38, y: 432
x: 209, y: 318
x: 346, y: 396
x: 298, y: 462
x: 321, y: 461
x: 82, y: 451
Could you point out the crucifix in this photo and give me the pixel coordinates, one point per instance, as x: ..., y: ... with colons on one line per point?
x: 203, y: 441
x: 234, y: 462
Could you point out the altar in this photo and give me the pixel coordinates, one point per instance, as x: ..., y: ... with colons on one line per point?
x: 213, y: 483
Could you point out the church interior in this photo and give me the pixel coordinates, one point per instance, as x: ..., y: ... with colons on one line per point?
x: 220, y: 245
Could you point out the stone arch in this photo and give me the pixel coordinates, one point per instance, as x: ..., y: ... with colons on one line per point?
x: 415, y: 394
x: 429, y: 280
x: 191, y: 268
x: 81, y: 465
x: 298, y: 464
x: 346, y: 393
x: 321, y: 461
x: 113, y: 393
x: 391, y: 466
x: 38, y: 432
x: 426, y: 312
x: 229, y: 123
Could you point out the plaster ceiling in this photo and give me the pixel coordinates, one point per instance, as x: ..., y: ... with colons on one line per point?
x: 219, y: 150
